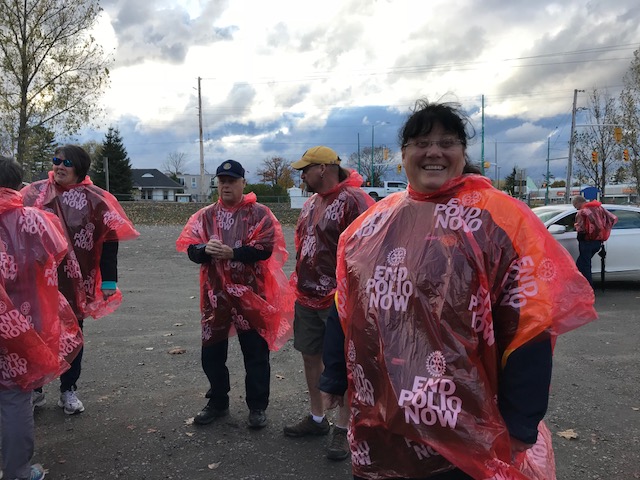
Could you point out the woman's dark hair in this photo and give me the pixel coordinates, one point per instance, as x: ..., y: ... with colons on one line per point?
x: 10, y: 173
x: 80, y: 159
x: 426, y: 115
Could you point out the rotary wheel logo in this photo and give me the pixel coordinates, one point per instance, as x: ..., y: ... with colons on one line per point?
x: 3, y: 307
x: 470, y: 199
x: 436, y: 364
x: 396, y: 256
x: 25, y: 308
x: 546, y: 270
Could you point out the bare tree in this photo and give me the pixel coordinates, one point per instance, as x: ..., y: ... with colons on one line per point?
x: 53, y: 71
x: 276, y: 171
x: 597, y: 136
x: 372, y: 167
x: 630, y: 118
x: 175, y: 163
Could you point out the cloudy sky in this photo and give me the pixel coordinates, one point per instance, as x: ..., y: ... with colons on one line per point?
x: 280, y: 76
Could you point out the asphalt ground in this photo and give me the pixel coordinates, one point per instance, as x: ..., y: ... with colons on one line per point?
x: 140, y: 399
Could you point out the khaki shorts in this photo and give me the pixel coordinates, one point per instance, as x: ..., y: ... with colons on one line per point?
x: 308, y: 329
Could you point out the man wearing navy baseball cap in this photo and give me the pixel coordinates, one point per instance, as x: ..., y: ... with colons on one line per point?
x: 243, y: 290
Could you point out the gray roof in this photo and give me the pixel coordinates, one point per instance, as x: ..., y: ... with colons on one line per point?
x: 152, y: 177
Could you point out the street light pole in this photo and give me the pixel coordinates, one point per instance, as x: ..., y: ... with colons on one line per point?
x: 372, y: 158
x: 358, y: 153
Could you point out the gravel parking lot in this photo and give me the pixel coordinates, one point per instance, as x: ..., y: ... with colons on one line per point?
x: 140, y: 398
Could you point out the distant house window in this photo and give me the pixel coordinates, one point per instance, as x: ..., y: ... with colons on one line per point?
x: 165, y: 194
x: 194, y: 182
x: 181, y: 181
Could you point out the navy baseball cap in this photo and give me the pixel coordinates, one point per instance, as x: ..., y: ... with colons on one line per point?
x: 230, y: 168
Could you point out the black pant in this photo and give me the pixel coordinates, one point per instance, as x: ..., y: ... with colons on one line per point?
x: 450, y: 475
x: 69, y: 378
x: 256, y: 364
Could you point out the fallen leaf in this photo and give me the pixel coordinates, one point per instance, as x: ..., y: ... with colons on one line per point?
x: 190, y: 434
x: 149, y: 348
x: 569, y: 434
x: 177, y: 351
x: 280, y: 377
x: 168, y: 335
x: 192, y: 297
x: 189, y: 421
x: 213, y: 466
x: 635, y: 409
x: 178, y: 324
x: 151, y: 430
x: 131, y: 427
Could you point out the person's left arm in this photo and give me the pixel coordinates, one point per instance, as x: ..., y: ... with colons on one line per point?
x: 523, y: 389
x: 109, y: 268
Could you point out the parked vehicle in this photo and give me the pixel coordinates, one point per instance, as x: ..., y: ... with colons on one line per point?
x: 389, y: 187
x: 623, y: 246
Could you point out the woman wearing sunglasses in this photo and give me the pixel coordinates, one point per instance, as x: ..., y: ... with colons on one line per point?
x: 94, y: 223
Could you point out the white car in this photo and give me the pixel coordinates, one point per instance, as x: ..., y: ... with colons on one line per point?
x: 623, y: 246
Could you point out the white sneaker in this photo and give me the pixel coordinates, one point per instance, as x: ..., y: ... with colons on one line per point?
x: 70, y: 402
x: 37, y: 400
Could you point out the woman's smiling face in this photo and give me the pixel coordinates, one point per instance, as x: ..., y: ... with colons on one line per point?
x: 433, y: 159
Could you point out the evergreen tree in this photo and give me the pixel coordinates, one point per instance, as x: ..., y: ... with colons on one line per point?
x: 120, y: 179
x: 510, y: 182
x: 39, y: 150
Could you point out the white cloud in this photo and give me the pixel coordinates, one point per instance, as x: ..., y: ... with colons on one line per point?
x: 275, y: 73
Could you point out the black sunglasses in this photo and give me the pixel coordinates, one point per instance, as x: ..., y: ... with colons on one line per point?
x: 67, y: 163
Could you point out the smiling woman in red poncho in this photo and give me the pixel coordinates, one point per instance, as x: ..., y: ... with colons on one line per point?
x: 449, y: 297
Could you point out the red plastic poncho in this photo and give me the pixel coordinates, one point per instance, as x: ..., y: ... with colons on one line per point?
x: 90, y: 216
x: 595, y: 221
x: 322, y: 219
x: 434, y: 293
x: 39, y: 334
x: 237, y: 296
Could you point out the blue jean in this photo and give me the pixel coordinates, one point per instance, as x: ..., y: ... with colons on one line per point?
x: 17, y: 433
x: 587, y: 248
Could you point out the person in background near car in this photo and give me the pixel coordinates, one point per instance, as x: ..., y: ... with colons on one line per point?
x: 39, y: 332
x: 449, y: 297
x: 338, y: 200
x: 243, y: 289
x: 593, y: 224
x: 94, y: 223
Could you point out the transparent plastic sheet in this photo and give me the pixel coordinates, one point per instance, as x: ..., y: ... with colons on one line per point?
x: 39, y: 334
x: 434, y: 293
x: 90, y: 216
x: 236, y: 296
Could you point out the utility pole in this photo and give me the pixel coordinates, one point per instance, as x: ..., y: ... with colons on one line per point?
x: 546, y: 193
x: 202, y: 191
x: 497, y: 169
x: 571, y: 141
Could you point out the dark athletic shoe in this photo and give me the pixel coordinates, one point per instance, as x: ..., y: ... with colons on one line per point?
x: 307, y: 426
